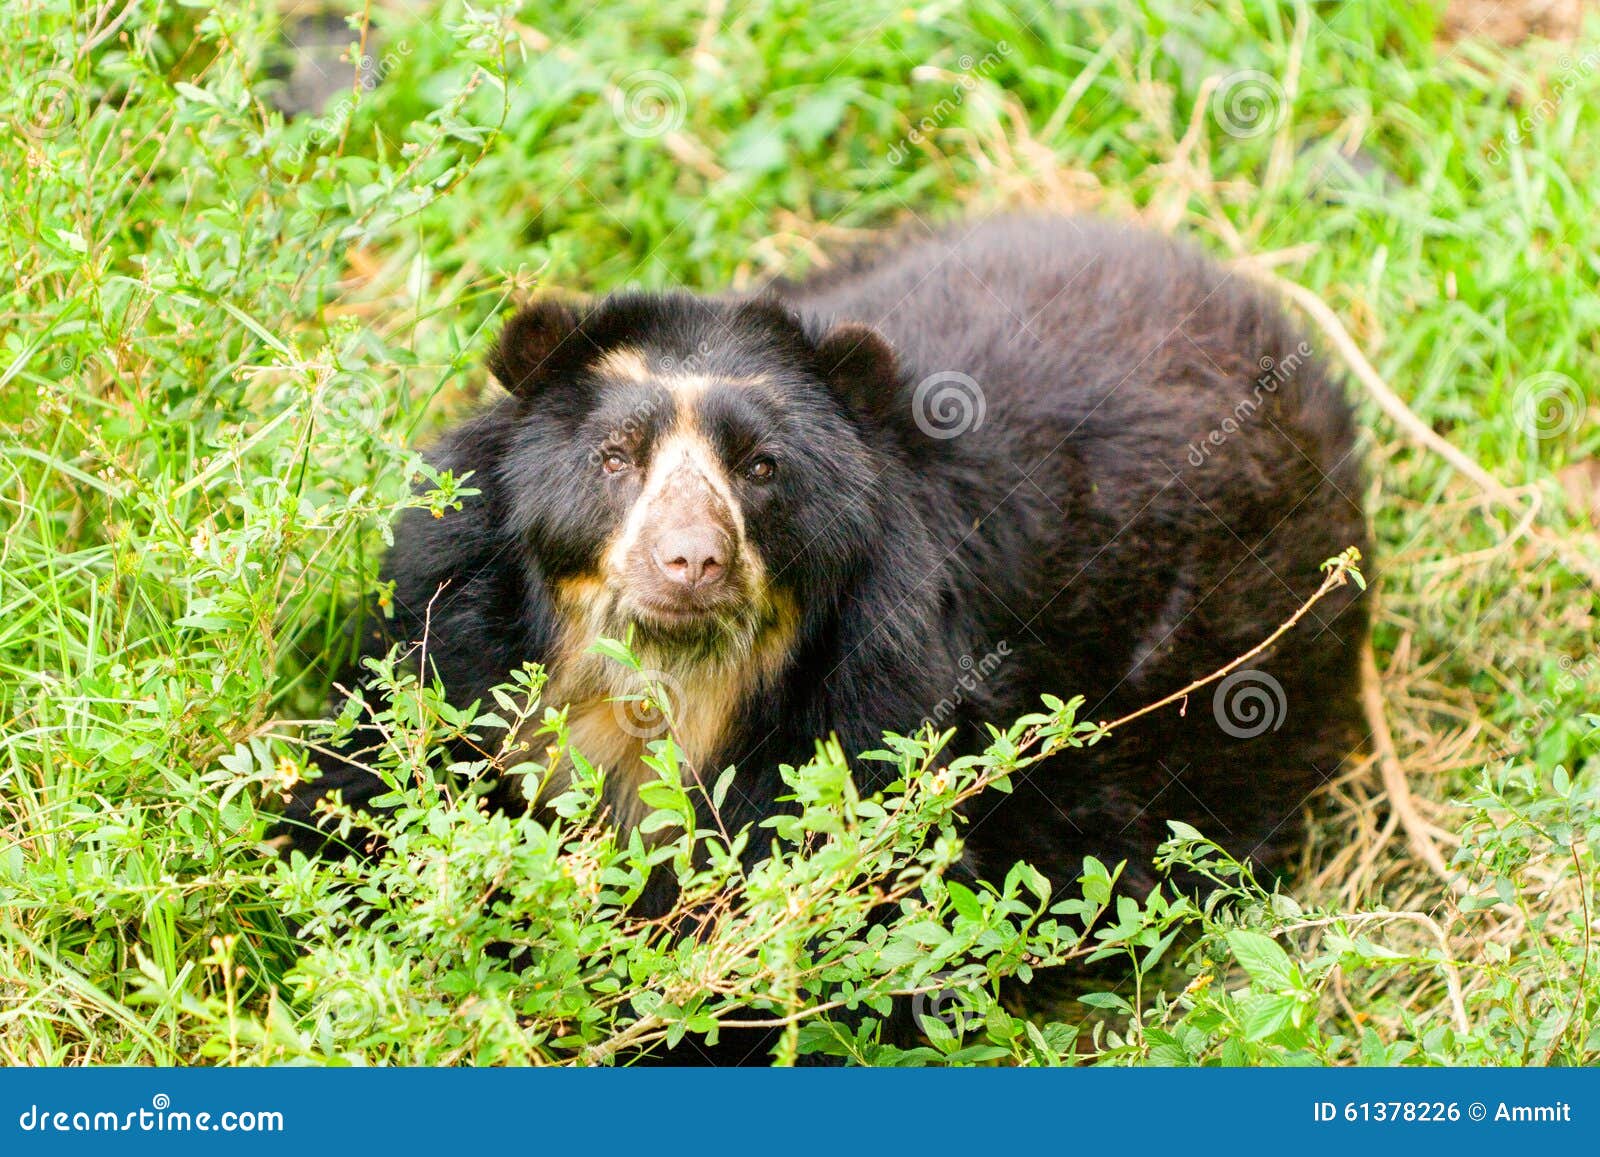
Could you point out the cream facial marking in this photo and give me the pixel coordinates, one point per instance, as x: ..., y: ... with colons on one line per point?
x: 624, y: 363
x: 683, y: 459
x: 679, y: 378
x: 706, y: 689
x: 704, y: 696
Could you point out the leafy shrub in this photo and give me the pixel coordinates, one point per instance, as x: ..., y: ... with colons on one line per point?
x: 490, y: 938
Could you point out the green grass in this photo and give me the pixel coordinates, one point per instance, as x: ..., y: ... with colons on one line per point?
x: 224, y: 334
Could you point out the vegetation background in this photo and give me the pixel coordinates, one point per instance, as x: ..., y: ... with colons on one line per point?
x: 245, y: 278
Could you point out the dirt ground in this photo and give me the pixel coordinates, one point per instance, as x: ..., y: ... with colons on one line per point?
x: 1513, y: 21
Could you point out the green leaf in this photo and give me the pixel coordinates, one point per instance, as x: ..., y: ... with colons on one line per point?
x: 1269, y: 1015
x: 1262, y: 957
x: 196, y: 94
x: 618, y: 652
x: 1096, y: 881
x: 757, y: 148
x: 719, y: 790
x: 815, y: 118
x: 1372, y: 1051
x: 1105, y: 1000
x: 962, y: 899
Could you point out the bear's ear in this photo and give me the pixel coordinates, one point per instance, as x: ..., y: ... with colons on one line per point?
x: 539, y: 340
x: 862, y: 368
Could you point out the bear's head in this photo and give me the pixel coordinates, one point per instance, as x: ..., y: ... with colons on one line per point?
x: 707, y: 478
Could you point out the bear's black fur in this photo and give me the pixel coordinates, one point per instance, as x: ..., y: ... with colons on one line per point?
x: 1161, y: 466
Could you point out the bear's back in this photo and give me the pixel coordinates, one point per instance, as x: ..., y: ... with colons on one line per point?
x: 1102, y: 341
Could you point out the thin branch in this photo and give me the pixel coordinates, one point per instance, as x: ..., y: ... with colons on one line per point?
x: 99, y: 35
x: 1338, y: 576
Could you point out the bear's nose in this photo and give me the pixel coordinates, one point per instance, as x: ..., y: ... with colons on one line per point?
x: 695, y: 556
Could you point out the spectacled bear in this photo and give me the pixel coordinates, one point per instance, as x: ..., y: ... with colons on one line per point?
x: 1019, y: 456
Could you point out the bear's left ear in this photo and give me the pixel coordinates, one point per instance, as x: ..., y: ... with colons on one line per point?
x: 536, y: 344
x: 862, y: 368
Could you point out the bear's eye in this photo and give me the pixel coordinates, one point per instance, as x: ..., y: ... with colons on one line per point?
x: 760, y: 469
x: 613, y: 461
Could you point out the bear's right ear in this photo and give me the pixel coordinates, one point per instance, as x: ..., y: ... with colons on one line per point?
x: 862, y: 368
x: 537, y: 343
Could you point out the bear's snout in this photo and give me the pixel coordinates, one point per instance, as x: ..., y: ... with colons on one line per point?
x: 694, y: 557
x: 682, y: 561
